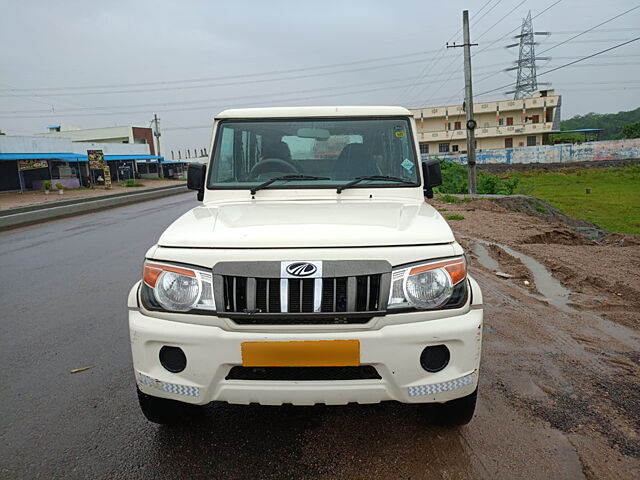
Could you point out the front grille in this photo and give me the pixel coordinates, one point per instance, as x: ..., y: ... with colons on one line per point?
x: 365, y: 372
x: 329, y: 298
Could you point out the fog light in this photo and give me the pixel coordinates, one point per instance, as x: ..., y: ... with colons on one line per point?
x: 173, y: 359
x: 433, y: 359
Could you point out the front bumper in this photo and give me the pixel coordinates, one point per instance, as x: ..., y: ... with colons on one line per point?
x: 394, y: 350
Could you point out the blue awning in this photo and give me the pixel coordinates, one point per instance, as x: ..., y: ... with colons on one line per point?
x: 65, y: 157
x: 132, y: 157
x: 164, y: 162
x: 73, y: 157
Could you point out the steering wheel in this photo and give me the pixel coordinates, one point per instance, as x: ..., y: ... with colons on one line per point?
x: 272, y: 165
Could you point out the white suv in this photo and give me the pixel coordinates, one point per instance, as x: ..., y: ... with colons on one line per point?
x: 313, y: 272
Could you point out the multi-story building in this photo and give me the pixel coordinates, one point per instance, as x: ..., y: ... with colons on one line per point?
x: 500, y: 124
x: 118, y: 134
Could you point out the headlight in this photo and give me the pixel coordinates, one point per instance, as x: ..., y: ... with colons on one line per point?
x: 177, y: 289
x: 426, y: 286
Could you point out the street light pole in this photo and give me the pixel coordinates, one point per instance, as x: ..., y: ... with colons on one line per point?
x: 156, y: 134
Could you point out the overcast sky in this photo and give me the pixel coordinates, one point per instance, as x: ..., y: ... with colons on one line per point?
x: 103, y: 63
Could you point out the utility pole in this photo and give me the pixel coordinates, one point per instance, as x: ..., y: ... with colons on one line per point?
x: 468, y: 102
x: 156, y: 134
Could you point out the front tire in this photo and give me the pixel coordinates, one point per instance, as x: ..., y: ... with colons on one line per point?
x: 167, y: 412
x: 454, y: 412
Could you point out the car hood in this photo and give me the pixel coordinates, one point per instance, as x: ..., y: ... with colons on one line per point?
x: 282, y: 224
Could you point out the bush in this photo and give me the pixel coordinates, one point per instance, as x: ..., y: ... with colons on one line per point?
x: 455, y: 216
x: 60, y: 186
x: 46, y: 185
x: 492, y: 184
x: 454, y: 180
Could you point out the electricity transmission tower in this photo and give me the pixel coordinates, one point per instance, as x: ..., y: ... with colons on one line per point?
x: 527, y: 81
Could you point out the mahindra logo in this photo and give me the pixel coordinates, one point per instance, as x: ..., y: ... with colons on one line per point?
x: 301, y: 269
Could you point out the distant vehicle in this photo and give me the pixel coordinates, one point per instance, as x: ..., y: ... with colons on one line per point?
x: 313, y: 272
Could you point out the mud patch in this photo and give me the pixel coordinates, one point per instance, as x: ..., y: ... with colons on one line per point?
x: 559, y: 236
x: 571, y: 412
x: 539, y: 208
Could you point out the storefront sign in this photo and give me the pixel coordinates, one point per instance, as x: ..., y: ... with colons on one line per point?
x: 97, y: 162
x: 32, y: 164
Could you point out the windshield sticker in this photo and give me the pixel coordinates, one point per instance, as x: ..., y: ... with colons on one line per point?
x: 407, y: 165
x: 400, y: 134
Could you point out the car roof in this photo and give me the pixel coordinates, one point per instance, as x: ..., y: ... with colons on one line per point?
x: 302, y: 112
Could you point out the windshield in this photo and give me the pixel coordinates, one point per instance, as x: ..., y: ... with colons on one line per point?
x: 249, y: 153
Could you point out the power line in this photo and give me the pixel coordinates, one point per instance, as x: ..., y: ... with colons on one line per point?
x: 511, y: 31
x: 242, y: 97
x: 428, y: 67
x: 244, y: 82
x: 486, y: 13
x: 565, y: 65
x: 486, y: 49
x: 590, y: 29
x: 454, y: 59
x: 206, y: 107
x: 486, y: 77
x: 230, y: 77
x: 501, y: 19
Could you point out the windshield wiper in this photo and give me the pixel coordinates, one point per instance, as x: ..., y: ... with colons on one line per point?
x: 285, y: 178
x: 372, y: 177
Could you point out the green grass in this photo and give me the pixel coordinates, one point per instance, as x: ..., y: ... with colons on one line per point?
x: 132, y: 183
x: 614, y: 201
x: 541, y: 209
x: 455, y: 216
x: 448, y: 198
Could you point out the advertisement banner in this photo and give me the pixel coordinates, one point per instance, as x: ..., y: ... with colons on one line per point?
x: 96, y: 159
x: 32, y: 164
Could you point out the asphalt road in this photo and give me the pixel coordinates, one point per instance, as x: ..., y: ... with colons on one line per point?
x: 63, y: 292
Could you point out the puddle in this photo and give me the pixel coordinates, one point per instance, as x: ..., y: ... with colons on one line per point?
x: 549, y: 288
x: 484, y: 258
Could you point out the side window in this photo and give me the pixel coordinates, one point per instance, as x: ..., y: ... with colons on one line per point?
x: 225, y: 170
x: 239, y: 152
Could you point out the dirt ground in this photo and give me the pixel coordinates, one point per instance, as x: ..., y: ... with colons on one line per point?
x: 13, y: 199
x: 571, y: 363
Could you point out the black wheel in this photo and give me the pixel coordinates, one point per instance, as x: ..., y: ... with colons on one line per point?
x: 455, y: 412
x: 167, y: 412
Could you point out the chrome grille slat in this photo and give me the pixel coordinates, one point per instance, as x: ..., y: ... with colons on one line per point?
x: 334, y: 298
x: 335, y: 293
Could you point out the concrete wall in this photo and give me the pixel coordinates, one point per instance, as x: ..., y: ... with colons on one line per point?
x: 67, y: 182
x: 564, y: 153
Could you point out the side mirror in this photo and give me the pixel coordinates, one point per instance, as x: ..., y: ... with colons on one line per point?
x: 196, y: 175
x: 431, y: 175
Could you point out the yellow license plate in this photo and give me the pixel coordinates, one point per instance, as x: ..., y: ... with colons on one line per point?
x: 310, y: 353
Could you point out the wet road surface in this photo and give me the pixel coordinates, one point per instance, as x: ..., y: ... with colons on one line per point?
x: 64, y: 288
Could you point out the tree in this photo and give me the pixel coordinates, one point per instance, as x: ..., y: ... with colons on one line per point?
x: 611, y: 123
x: 630, y: 130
